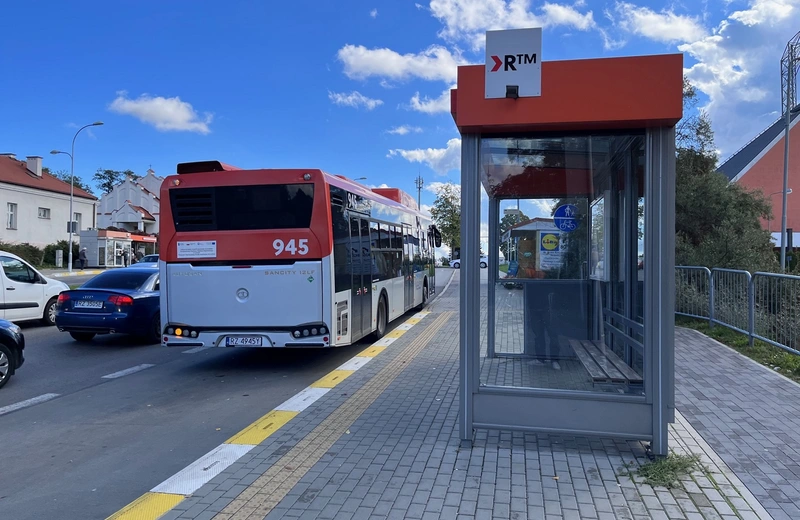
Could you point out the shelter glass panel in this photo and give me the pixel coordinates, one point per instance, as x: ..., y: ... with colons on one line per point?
x: 568, y: 303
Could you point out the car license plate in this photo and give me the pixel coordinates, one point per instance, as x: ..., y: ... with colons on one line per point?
x: 88, y: 304
x: 243, y: 341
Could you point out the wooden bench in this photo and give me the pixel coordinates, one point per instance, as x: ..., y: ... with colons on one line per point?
x: 603, y: 365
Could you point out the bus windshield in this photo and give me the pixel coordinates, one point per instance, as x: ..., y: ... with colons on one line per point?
x: 234, y: 208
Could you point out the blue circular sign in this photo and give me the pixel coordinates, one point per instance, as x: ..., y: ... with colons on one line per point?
x: 565, y: 218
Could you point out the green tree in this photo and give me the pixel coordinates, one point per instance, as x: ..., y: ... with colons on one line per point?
x: 64, y: 175
x: 717, y: 222
x: 506, y: 223
x: 446, y: 212
x: 107, y: 179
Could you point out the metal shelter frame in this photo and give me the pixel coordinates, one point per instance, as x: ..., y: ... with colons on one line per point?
x: 551, y: 410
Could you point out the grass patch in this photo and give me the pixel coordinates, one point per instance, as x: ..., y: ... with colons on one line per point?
x: 74, y: 285
x: 775, y: 358
x: 666, y: 472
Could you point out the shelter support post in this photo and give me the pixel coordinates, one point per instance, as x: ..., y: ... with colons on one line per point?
x: 469, y: 325
x: 494, y: 269
x: 659, y: 262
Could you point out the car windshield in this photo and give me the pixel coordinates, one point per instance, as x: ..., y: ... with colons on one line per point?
x: 149, y: 258
x: 122, y: 279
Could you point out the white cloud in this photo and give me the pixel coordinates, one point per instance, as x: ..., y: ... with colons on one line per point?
x: 354, y: 99
x: 440, y: 160
x: 374, y: 13
x: 664, y: 26
x: 373, y: 186
x: 425, y: 209
x: 736, y: 66
x: 165, y: 114
x: 404, y: 129
x: 435, y: 186
x: 541, y: 207
x: 427, y: 105
x: 468, y: 20
x: 766, y: 11
x: 436, y: 63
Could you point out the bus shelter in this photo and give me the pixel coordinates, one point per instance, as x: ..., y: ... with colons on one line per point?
x: 578, y: 337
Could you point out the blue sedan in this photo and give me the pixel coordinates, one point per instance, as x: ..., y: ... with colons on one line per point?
x: 122, y: 301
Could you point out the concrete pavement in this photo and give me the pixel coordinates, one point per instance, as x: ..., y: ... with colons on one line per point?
x: 114, y: 415
x: 383, y: 443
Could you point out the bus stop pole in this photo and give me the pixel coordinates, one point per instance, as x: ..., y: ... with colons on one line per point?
x: 469, y: 306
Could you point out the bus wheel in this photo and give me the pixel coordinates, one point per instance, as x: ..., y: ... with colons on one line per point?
x: 382, y: 319
x: 424, y: 297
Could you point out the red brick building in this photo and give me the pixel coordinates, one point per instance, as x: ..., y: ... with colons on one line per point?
x: 759, y: 166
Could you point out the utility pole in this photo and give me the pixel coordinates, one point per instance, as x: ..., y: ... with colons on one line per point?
x: 790, y: 62
x: 419, y: 182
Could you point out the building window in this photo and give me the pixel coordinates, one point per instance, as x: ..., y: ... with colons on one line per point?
x: 77, y: 218
x: 11, y: 220
x: 44, y: 213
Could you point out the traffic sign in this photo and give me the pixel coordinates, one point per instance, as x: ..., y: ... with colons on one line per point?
x: 565, y: 218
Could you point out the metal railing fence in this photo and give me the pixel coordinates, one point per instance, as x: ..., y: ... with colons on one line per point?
x: 764, y: 306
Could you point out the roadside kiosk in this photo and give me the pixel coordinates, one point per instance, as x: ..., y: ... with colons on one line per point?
x: 579, y: 337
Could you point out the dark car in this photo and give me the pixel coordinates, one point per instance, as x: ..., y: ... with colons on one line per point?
x: 121, y: 301
x: 12, y: 343
x: 148, y: 259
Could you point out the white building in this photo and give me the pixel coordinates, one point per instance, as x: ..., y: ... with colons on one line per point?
x: 133, y: 205
x: 36, y: 204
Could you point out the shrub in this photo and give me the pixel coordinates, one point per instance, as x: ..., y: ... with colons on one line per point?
x: 50, y: 252
x: 30, y: 253
x: 37, y: 256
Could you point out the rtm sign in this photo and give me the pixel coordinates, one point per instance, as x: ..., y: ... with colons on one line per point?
x: 514, y: 57
x: 510, y: 61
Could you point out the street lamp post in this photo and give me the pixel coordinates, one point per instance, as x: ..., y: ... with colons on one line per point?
x: 72, y: 186
x: 769, y: 220
x: 790, y: 64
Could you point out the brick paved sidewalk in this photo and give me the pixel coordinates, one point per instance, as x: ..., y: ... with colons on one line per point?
x: 748, y: 414
x: 399, y: 456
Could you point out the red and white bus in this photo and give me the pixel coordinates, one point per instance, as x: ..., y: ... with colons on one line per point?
x: 287, y: 258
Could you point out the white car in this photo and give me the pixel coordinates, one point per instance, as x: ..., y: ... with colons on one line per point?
x: 25, y: 293
x: 456, y: 264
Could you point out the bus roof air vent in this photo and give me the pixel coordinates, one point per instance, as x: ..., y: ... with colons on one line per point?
x: 204, y: 167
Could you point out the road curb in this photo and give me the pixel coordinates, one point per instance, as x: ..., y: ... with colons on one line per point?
x: 74, y: 273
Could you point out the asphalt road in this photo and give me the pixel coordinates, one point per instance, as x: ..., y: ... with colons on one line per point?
x: 101, y: 443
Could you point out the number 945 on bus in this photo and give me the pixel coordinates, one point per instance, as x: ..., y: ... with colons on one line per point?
x: 292, y: 246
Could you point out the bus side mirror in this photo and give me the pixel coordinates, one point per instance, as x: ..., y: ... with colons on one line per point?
x: 437, y: 237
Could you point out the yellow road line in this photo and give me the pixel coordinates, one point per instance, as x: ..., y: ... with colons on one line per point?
x: 257, y: 432
x: 332, y: 379
x: 372, y: 351
x: 149, y: 506
x: 269, y: 489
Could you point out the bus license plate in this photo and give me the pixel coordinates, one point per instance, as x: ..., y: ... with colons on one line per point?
x: 243, y: 341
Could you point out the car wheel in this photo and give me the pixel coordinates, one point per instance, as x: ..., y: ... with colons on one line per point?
x: 6, y: 366
x: 457, y: 265
x: 483, y: 265
x: 82, y: 336
x: 155, y: 330
x: 49, y: 315
x: 382, y: 319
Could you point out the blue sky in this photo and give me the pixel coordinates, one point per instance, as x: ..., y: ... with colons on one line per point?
x: 352, y: 87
